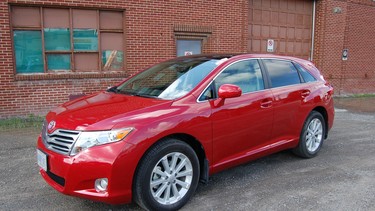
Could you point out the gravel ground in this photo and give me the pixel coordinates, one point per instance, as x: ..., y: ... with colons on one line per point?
x: 341, y: 177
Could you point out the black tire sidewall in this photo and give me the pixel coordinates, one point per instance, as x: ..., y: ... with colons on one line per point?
x: 302, y: 148
x: 149, y: 162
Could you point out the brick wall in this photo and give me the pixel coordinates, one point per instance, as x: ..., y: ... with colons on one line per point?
x: 359, y: 71
x: 149, y: 39
x: 350, y: 28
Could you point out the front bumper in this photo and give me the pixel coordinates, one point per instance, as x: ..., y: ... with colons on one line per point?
x: 76, y: 175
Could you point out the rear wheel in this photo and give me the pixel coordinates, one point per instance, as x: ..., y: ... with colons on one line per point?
x: 312, y: 136
x: 167, y: 176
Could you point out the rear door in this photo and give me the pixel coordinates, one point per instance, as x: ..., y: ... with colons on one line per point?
x: 290, y: 94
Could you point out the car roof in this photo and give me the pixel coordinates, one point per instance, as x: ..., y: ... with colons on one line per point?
x: 237, y: 56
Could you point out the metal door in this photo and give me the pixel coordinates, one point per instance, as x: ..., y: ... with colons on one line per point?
x: 287, y: 22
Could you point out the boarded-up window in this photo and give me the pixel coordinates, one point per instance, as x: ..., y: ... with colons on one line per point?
x: 26, y: 17
x: 111, y: 20
x: 112, y: 54
x: 112, y: 41
x: 86, y: 61
x: 64, y: 39
x: 56, y: 18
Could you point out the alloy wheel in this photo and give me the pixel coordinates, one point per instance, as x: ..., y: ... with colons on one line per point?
x: 314, y: 135
x: 171, y: 178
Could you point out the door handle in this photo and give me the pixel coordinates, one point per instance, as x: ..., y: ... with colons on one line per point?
x: 266, y: 103
x: 305, y: 93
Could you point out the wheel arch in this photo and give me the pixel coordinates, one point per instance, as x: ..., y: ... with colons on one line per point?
x: 324, y: 113
x: 199, y: 150
x: 193, y: 143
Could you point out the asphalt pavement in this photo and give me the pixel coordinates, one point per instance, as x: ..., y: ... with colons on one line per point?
x: 341, y: 177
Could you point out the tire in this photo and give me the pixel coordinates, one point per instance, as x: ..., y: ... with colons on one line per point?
x: 167, y: 176
x: 312, y: 136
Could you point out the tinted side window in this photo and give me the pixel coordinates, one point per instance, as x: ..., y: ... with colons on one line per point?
x: 245, y: 74
x: 282, y: 73
x: 305, y: 74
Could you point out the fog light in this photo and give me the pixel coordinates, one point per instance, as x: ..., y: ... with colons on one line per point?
x: 101, y: 184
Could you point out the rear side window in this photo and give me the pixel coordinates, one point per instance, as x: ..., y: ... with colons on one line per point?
x: 307, y: 77
x: 281, y: 73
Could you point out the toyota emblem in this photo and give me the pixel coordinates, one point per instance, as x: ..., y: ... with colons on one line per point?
x: 51, y: 125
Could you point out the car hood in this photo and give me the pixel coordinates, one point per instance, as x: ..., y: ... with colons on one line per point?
x: 100, y: 111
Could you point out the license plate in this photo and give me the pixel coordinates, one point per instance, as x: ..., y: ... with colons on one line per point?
x: 42, y: 159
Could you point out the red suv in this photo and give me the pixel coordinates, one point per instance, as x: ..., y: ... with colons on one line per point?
x: 154, y: 136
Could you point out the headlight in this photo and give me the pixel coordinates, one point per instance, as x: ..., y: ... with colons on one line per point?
x: 90, y: 139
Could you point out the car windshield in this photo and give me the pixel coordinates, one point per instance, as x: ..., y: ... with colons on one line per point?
x: 169, y: 80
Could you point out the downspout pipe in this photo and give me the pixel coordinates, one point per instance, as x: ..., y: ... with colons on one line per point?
x: 313, y: 32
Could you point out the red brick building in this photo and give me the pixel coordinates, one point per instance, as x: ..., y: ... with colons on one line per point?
x: 50, y: 50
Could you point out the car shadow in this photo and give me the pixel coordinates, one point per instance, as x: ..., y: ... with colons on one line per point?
x: 250, y: 172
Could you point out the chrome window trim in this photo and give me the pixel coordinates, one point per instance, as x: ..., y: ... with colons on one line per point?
x: 257, y: 58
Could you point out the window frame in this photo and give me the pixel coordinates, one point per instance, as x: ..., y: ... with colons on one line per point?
x: 72, y: 72
x: 192, y: 32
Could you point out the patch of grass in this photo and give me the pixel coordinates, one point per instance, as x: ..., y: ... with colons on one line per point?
x: 21, y: 122
x: 356, y: 96
x: 363, y: 95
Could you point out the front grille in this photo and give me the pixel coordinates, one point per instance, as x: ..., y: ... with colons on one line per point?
x: 60, y: 141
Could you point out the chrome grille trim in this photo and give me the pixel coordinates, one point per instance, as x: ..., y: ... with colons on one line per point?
x: 61, y: 140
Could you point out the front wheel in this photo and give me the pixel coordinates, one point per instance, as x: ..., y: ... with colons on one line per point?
x: 312, y: 136
x: 167, y: 176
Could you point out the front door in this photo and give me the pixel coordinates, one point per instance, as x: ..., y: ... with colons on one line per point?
x: 243, y: 123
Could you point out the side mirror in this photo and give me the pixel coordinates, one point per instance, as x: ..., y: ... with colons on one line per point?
x: 229, y: 91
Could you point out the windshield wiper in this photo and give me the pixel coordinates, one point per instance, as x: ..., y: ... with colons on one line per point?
x: 119, y: 91
x: 144, y: 95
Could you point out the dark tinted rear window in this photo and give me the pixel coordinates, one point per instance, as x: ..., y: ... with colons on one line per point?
x: 307, y: 77
x: 282, y: 73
